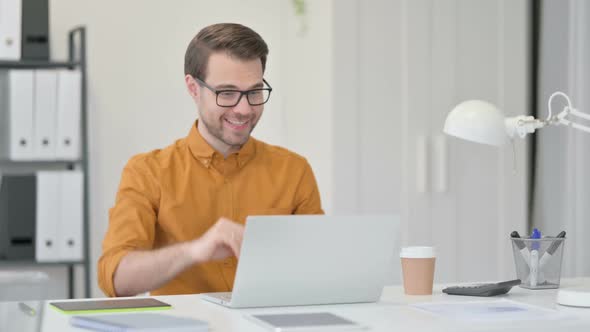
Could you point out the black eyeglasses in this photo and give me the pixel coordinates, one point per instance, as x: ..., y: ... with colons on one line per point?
x: 230, y: 98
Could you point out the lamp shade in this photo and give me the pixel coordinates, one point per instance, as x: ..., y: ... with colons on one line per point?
x: 477, y: 121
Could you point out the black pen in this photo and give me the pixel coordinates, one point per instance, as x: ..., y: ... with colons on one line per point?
x: 524, y: 251
x: 551, y: 250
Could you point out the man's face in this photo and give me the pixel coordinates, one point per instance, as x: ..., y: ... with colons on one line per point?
x: 227, y: 128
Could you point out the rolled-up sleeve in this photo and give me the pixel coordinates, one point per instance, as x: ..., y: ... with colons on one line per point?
x: 132, y: 220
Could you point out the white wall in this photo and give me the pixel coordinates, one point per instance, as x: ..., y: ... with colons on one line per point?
x: 411, y: 62
x: 306, y: 74
x: 562, y: 184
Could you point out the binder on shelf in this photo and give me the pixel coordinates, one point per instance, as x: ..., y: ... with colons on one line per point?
x: 35, y: 30
x: 17, y: 216
x: 59, y: 218
x: 47, y: 217
x: 10, y: 29
x: 16, y: 114
x: 68, y: 114
x: 44, y: 114
x: 70, y: 207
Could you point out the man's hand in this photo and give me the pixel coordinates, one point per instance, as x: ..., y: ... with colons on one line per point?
x: 159, y: 266
x: 222, y: 240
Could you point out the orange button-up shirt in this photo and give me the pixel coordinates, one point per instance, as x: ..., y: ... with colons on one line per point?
x: 175, y: 194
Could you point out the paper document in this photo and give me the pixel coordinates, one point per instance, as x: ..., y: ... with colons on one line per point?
x: 139, y: 322
x: 500, y: 310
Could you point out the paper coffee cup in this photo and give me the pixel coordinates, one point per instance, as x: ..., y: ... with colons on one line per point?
x: 418, y: 269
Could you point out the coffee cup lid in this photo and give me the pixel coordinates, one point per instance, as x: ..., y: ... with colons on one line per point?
x: 418, y: 252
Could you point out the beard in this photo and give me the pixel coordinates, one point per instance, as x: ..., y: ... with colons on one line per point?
x: 217, y: 129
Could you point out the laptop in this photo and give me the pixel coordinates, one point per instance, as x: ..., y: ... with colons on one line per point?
x: 312, y: 259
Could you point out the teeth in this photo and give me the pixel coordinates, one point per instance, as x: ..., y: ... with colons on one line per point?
x: 237, y: 123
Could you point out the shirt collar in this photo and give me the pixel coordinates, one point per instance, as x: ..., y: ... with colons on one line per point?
x: 203, y: 152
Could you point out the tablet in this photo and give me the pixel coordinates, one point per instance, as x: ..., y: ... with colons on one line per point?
x: 110, y: 305
x: 322, y: 321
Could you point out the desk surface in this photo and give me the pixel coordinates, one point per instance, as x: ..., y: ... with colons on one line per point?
x: 391, y: 313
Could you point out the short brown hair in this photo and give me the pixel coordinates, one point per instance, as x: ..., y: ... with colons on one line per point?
x: 237, y: 40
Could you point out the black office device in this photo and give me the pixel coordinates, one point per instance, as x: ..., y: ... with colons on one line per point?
x: 485, y: 289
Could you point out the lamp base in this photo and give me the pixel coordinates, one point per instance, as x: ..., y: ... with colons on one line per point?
x: 574, y: 297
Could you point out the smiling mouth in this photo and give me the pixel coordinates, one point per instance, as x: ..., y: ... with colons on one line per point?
x: 236, y: 124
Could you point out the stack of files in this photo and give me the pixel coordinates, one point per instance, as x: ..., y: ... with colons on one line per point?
x: 140, y: 322
x: 59, y: 217
x: 40, y: 114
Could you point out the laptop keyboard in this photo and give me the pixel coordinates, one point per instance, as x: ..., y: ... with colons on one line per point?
x: 226, y: 296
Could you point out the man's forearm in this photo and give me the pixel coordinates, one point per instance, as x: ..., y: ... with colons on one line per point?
x: 143, y: 271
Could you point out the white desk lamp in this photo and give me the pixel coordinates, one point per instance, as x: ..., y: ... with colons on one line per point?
x: 481, y: 122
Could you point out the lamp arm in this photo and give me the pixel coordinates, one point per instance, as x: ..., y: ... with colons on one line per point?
x: 553, y: 95
x: 562, y: 120
x: 583, y: 115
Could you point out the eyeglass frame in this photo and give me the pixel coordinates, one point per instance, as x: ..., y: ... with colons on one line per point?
x: 242, y: 93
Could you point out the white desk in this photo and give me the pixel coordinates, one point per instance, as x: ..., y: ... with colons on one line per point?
x: 392, y: 313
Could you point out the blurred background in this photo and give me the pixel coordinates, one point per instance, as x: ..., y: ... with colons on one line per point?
x: 362, y: 89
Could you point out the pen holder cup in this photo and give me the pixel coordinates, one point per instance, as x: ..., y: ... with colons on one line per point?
x: 538, y: 261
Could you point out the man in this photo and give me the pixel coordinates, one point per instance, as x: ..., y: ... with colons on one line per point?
x: 178, y: 218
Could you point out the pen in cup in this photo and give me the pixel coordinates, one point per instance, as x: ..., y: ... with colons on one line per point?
x: 552, y: 248
x: 534, y: 261
x: 524, y: 251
